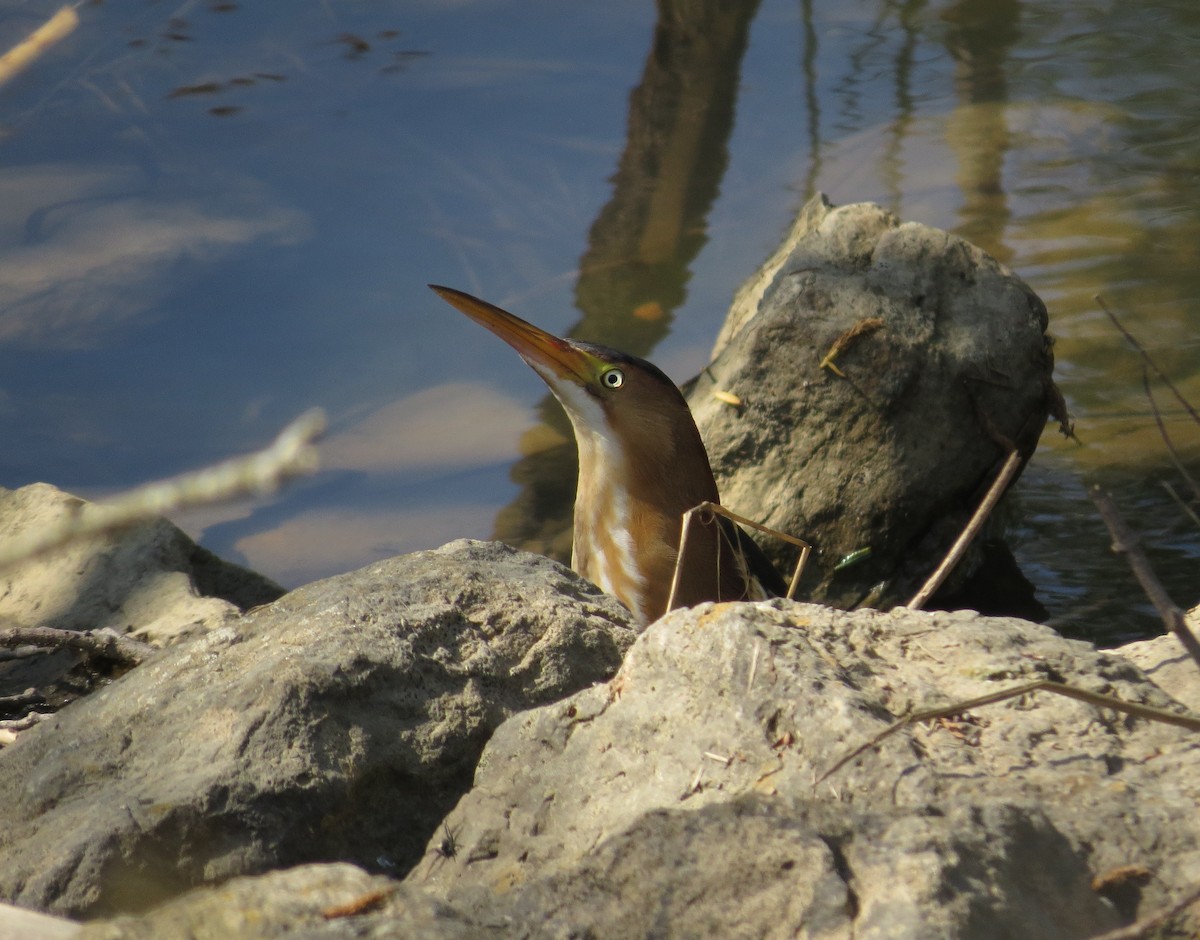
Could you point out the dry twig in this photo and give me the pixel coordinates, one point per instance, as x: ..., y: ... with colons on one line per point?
x: 30, y: 696
x: 974, y: 524
x: 1126, y: 543
x: 27, y: 51
x: 24, y: 723
x: 1187, y: 510
x: 101, y: 644
x: 290, y: 454
x: 1148, y: 712
x: 1148, y: 360
x: 704, y: 513
x: 1162, y: 432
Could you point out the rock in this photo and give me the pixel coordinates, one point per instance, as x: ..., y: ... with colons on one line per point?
x: 151, y: 580
x: 1165, y: 661
x: 313, y: 900
x: 945, y: 365
x: 685, y: 798
x: 340, y: 723
x: 764, y: 867
x: 16, y: 923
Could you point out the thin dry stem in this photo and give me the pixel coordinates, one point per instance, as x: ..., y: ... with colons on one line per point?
x: 24, y: 723
x: 29, y: 49
x: 1162, y: 431
x: 1190, y: 722
x: 1148, y: 359
x: 1126, y: 543
x: 291, y: 453
x: 104, y: 643
x: 1187, y: 510
x: 707, y: 507
x: 1011, y: 464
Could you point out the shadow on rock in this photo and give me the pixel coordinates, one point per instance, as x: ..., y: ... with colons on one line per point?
x: 340, y: 723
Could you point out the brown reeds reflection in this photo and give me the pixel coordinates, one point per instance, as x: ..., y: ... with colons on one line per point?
x: 640, y: 248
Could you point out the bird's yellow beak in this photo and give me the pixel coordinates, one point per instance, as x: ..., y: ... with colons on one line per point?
x: 543, y: 351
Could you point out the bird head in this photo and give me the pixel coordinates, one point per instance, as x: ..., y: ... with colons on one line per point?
x: 606, y: 392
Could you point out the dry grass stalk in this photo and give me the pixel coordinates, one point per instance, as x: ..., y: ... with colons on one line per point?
x: 29, y: 49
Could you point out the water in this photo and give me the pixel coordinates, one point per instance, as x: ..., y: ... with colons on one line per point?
x: 215, y: 215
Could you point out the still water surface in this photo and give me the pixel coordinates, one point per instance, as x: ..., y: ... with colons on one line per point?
x: 214, y: 215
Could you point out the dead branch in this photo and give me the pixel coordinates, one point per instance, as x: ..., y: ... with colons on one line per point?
x: 699, y: 512
x: 1188, y: 510
x: 1124, y: 542
x: 1162, y: 431
x: 27, y: 51
x: 1148, y: 359
x: 1011, y: 464
x: 1096, y: 699
x: 30, y: 696
x: 101, y: 644
x: 290, y: 454
x: 24, y: 723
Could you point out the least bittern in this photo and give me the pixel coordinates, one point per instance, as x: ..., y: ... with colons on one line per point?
x: 642, y: 466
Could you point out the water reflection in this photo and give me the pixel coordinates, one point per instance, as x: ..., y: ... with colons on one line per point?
x: 99, y: 246
x: 217, y: 214
x: 985, y: 133
x: 642, y: 245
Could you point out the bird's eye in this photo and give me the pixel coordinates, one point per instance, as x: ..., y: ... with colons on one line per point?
x: 613, y: 378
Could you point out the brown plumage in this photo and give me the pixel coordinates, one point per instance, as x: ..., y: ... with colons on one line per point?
x: 642, y: 465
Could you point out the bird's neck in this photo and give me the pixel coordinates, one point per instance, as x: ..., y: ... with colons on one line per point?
x: 629, y: 508
x: 605, y: 548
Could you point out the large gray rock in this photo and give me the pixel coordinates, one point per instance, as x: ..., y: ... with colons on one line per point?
x: 150, y: 579
x: 683, y: 798
x: 953, y: 367
x: 17, y: 923
x: 341, y: 722
x: 760, y: 866
x: 312, y: 901
x: 1164, y: 660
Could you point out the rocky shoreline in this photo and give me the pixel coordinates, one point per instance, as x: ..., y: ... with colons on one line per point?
x: 472, y: 741
x: 475, y: 742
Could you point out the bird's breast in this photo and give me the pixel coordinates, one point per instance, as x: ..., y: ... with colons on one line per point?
x: 606, y: 547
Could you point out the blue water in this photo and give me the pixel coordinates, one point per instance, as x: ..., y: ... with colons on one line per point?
x: 215, y: 215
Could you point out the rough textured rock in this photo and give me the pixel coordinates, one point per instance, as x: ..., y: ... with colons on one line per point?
x: 17, y: 923
x: 151, y: 580
x: 764, y: 867
x: 683, y: 799
x: 339, y: 723
x: 991, y: 826
x: 752, y: 866
x: 952, y: 363
x: 1165, y: 662
x: 311, y: 901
